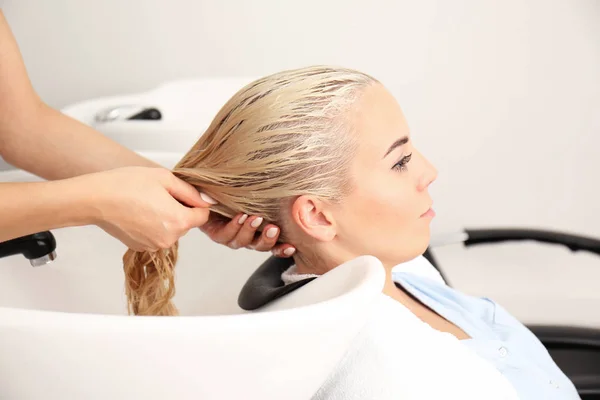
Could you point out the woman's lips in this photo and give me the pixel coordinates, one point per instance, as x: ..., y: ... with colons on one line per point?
x: 428, y: 214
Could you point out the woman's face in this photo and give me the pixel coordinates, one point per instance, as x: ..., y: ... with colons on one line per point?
x: 388, y: 213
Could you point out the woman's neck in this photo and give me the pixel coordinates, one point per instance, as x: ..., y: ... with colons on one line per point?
x: 390, y: 288
x: 304, y: 265
x: 312, y: 265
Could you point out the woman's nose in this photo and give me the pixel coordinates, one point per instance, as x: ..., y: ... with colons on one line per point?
x: 428, y: 176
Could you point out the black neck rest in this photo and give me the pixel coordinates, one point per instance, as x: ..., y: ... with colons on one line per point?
x: 265, y: 284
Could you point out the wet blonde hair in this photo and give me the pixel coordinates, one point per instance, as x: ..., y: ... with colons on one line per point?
x: 282, y: 136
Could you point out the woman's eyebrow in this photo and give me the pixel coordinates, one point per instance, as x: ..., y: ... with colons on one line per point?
x: 397, y: 143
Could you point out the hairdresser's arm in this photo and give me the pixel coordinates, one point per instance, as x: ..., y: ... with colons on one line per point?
x: 136, y: 205
x: 41, y: 140
x: 33, y: 207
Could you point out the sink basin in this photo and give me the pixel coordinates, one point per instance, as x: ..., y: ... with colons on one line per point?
x: 88, y: 277
x: 64, y: 332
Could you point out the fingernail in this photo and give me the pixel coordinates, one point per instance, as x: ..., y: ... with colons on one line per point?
x: 243, y: 219
x: 207, y: 198
x: 256, y: 223
x: 271, y: 232
x: 289, y: 251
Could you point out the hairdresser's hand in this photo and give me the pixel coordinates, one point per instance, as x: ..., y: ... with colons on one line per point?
x: 145, y: 208
x: 241, y: 232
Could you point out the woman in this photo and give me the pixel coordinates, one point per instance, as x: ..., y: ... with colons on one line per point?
x: 325, y: 153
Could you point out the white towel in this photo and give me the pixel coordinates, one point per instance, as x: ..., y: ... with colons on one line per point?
x: 397, y: 356
x: 290, y: 275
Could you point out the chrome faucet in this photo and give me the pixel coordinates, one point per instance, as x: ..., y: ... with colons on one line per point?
x: 127, y: 112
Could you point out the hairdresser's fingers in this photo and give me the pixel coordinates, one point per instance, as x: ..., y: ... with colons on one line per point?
x: 197, y: 217
x: 223, y: 231
x: 283, y: 250
x: 246, y: 235
x: 186, y: 193
x: 267, y: 239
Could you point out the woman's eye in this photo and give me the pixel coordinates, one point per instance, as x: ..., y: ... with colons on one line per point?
x: 401, y: 165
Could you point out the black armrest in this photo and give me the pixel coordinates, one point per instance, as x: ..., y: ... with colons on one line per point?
x: 557, y: 336
x: 573, y: 242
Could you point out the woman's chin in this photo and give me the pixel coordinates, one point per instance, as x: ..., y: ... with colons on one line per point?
x: 418, y: 250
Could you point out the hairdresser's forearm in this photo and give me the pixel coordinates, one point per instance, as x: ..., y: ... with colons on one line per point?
x: 30, y: 207
x: 55, y: 146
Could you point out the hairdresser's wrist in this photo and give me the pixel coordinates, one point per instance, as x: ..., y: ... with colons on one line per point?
x: 79, y: 201
x: 30, y: 207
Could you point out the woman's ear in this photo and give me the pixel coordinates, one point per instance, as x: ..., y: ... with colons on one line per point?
x: 314, y: 218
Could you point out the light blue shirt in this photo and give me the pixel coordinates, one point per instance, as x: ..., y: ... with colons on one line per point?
x: 496, y: 336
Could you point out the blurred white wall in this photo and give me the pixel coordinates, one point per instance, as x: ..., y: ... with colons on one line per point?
x: 503, y: 96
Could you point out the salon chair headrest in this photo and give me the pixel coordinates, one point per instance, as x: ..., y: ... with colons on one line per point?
x: 265, y: 284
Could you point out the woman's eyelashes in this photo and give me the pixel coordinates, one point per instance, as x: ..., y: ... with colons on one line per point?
x: 401, y: 165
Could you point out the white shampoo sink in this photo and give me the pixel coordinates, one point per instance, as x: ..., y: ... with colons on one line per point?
x: 64, y: 332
